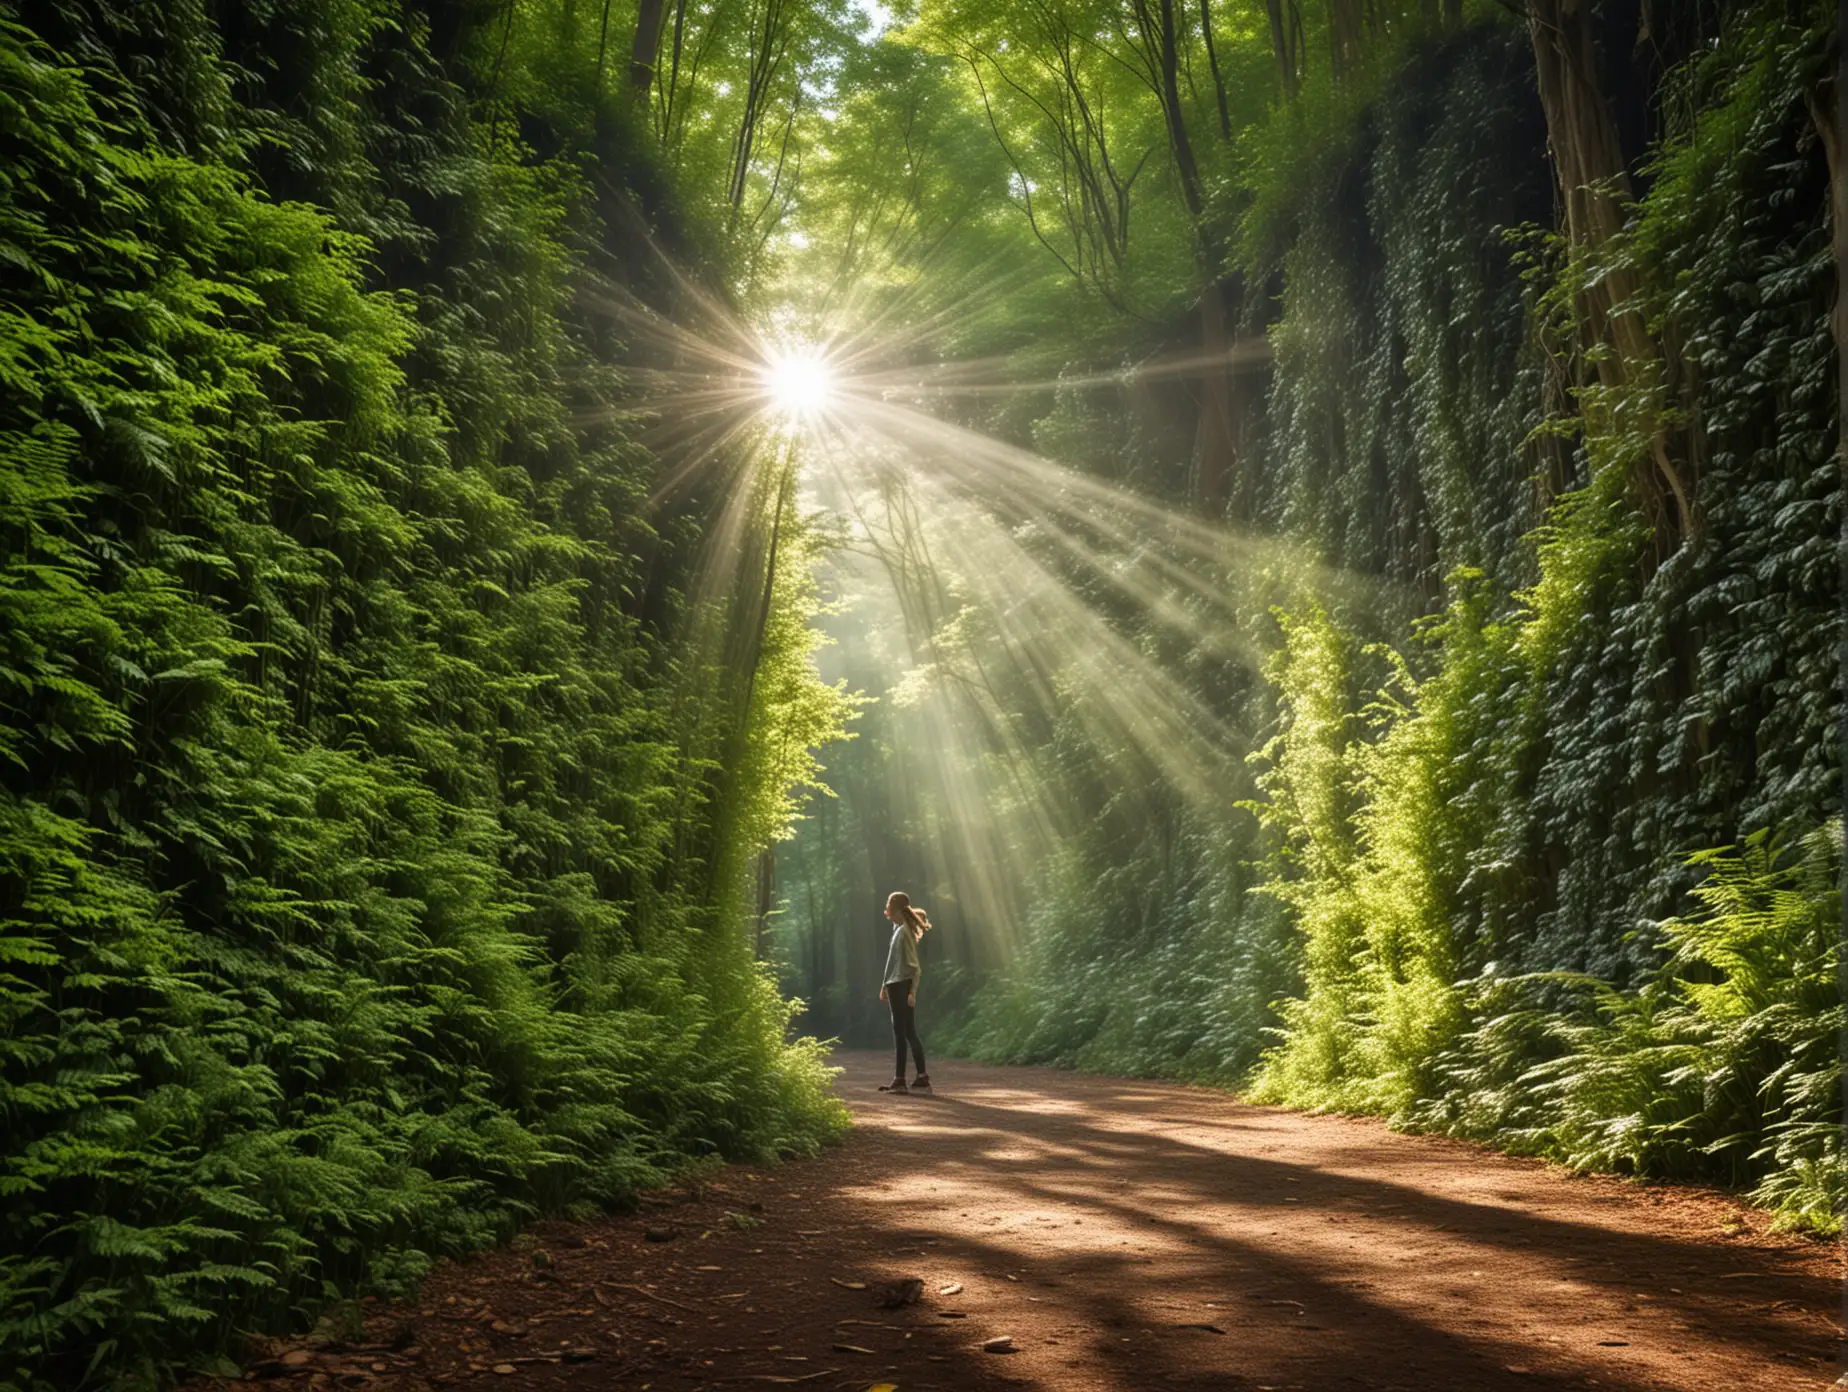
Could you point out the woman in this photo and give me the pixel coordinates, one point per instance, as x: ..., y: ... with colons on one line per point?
x: 909, y: 923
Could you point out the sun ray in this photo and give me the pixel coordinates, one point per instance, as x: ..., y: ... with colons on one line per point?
x: 1014, y: 608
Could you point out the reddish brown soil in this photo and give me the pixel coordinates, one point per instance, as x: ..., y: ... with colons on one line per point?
x: 1127, y: 1236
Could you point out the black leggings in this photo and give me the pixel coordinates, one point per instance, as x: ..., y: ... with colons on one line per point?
x: 904, y: 1025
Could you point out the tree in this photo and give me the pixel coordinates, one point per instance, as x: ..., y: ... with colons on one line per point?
x: 1595, y: 185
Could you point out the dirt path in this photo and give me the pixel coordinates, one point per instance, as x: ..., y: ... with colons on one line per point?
x: 1127, y: 1236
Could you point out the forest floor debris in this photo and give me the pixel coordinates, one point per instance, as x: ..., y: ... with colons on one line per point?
x: 1104, y: 1232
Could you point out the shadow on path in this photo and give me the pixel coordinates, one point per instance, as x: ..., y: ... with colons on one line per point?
x: 1124, y: 1236
x: 1330, y: 1251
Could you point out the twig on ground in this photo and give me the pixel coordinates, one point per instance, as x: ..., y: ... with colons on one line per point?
x: 638, y: 1290
x: 780, y: 1377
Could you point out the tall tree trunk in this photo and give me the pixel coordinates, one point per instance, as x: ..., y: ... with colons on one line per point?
x: 744, y: 652
x: 1284, y: 28
x: 766, y: 57
x: 1212, y: 61
x: 1176, y: 115
x: 603, y: 44
x: 1347, y: 27
x: 1595, y: 186
x: 647, y: 45
x: 1214, y: 439
x: 766, y: 899
x: 671, y: 91
x: 762, y: 626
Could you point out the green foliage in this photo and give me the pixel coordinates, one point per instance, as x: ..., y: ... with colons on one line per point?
x: 1503, y: 722
x: 356, y: 900
x: 1182, y: 995
x: 1387, y: 826
x: 1726, y: 1062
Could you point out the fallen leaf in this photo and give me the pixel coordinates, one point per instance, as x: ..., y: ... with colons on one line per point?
x: 297, y: 1358
x: 852, y: 1348
x: 850, y: 1285
x: 1209, y: 1328
x: 505, y: 1368
x: 952, y: 1314
x: 1002, y: 1343
x: 954, y: 1288
x: 1613, y: 1343
x: 708, y: 1268
x: 883, y: 1387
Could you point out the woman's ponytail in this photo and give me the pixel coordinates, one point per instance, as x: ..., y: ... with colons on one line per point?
x: 918, y: 920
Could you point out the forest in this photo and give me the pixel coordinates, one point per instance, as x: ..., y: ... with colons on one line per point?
x: 1308, y: 533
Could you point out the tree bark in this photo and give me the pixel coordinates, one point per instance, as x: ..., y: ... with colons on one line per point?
x: 671, y: 91
x: 766, y: 57
x: 766, y: 899
x: 1283, y: 43
x: 647, y: 45
x: 1167, y: 60
x: 603, y: 44
x: 1347, y: 25
x: 1212, y: 61
x: 762, y: 626
x: 1214, y: 437
x: 1595, y: 185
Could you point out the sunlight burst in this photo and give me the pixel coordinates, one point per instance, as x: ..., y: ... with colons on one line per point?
x: 799, y: 381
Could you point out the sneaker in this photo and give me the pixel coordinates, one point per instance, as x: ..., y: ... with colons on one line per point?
x: 896, y: 1085
x: 921, y: 1081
